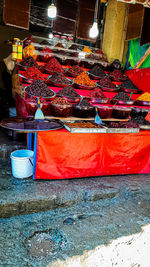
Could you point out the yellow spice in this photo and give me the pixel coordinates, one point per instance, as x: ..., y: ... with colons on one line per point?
x: 144, y: 97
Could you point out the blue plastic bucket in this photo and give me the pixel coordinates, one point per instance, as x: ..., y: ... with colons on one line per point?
x: 22, y: 163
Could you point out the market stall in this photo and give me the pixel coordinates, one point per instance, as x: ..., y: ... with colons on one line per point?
x: 70, y: 87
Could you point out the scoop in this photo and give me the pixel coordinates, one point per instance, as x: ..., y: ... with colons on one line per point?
x: 38, y: 114
x: 97, y: 117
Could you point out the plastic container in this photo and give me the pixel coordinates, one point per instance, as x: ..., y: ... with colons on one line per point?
x: 105, y: 112
x: 83, y: 111
x: 121, y: 112
x: 22, y: 163
x: 58, y: 110
x: 32, y: 107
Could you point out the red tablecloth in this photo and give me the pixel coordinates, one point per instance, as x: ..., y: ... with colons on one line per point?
x: 62, y: 155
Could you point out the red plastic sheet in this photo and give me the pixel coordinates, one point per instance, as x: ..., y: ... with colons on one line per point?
x: 62, y: 155
x: 141, y: 78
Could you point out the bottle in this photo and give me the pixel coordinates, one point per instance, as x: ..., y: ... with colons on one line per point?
x: 15, y: 49
x: 19, y: 51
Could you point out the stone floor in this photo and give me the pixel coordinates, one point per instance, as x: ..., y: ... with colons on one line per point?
x: 45, y: 222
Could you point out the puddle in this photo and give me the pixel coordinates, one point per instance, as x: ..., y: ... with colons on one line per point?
x: 44, y: 243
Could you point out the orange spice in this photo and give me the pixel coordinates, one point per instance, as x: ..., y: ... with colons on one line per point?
x: 83, y: 79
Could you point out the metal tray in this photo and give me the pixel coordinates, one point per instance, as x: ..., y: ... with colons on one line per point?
x: 121, y: 102
x: 145, y: 127
x: 83, y: 130
x: 123, y: 130
x: 84, y: 87
x: 4, y: 123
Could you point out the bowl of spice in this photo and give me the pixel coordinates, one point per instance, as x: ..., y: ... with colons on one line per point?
x: 27, y: 63
x: 74, y: 71
x: 143, y: 100
x: 60, y: 107
x: 96, y: 72
x: 106, y: 85
x: 31, y: 106
x: 59, y: 80
x: 53, y: 66
x: 104, y: 111
x: 39, y: 89
x: 129, y: 87
x: 122, y: 98
x: 70, y: 94
x: 32, y: 74
x: 83, y: 109
x: 83, y: 81
x: 117, y: 76
x: 121, y: 112
x: 96, y: 96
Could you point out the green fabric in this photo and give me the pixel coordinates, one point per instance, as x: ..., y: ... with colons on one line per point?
x: 136, y: 52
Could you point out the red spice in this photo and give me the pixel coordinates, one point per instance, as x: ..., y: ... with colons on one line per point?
x: 46, y: 54
x: 53, y: 65
x: 34, y: 73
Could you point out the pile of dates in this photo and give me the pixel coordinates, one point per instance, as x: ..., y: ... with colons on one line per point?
x: 40, y: 89
x: 107, y: 83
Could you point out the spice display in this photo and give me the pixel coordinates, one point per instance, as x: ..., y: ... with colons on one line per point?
x: 83, y: 109
x: 97, y: 71
x: 97, y: 93
x: 117, y: 75
x: 140, y: 120
x: 86, y: 49
x: 61, y: 107
x: 68, y: 91
x: 144, y: 97
x: 121, y: 96
x: 59, y: 45
x: 29, y: 62
x: 116, y: 64
x: 60, y: 78
x: 107, y: 83
x: 29, y: 51
x: 46, y: 54
x: 34, y: 73
x: 53, y: 65
x: 75, y: 70
x: 81, y: 125
x: 39, y: 89
x: 129, y: 85
x: 127, y: 124
x: 136, y: 112
x: 73, y: 47
x: 83, y: 79
x: 27, y: 41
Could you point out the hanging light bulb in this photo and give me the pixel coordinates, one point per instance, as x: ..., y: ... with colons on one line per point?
x: 93, y: 33
x: 52, y: 11
x: 51, y: 36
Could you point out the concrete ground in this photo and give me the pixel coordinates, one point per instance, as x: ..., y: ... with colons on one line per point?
x: 73, y: 223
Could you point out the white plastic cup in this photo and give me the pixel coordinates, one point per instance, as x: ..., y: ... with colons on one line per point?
x: 22, y: 163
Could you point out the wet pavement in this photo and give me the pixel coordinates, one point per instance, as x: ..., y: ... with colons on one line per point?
x: 43, y: 221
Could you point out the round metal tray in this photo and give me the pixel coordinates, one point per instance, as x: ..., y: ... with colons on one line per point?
x: 121, y: 102
x: 128, y: 90
x: 57, y: 84
x: 80, y: 86
x: 106, y: 89
x: 145, y: 127
x: 94, y: 77
x: 5, y: 124
x: 142, y: 103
